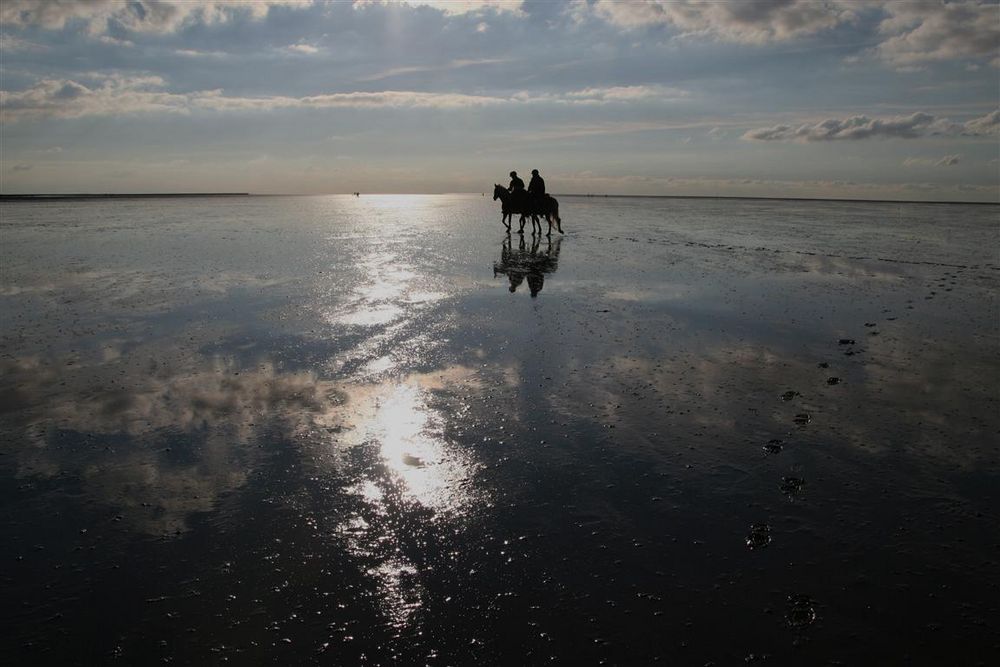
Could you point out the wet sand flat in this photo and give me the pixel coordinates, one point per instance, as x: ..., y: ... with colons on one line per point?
x: 378, y: 430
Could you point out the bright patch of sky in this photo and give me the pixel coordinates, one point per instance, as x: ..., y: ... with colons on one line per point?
x: 813, y: 98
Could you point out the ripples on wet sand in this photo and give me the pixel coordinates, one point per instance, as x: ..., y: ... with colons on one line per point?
x: 373, y: 429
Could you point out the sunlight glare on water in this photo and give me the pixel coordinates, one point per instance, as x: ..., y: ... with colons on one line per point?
x: 397, y: 419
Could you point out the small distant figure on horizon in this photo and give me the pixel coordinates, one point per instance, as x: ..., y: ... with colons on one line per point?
x: 357, y: 194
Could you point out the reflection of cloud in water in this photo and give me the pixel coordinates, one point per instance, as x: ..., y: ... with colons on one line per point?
x: 939, y: 389
x: 906, y: 396
x: 171, y: 444
x: 142, y: 289
x: 664, y: 292
x: 176, y: 442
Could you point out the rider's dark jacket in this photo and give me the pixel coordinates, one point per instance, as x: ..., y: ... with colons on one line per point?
x: 516, y: 185
x: 536, y: 186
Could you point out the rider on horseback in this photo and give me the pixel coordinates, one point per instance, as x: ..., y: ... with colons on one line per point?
x: 537, y: 186
x: 516, y: 184
x: 532, y: 202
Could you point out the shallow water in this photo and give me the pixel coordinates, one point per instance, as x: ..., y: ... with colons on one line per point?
x: 325, y: 429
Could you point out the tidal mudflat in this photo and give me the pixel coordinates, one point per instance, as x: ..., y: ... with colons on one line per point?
x: 376, y: 431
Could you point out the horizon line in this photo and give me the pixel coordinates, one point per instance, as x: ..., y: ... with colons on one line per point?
x: 152, y: 195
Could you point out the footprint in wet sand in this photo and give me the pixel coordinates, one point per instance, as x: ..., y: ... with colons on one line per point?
x: 801, y: 611
x: 759, y: 536
x: 791, y: 485
x: 773, y: 446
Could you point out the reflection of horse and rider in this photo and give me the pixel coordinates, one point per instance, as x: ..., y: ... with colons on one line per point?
x: 522, y: 263
x: 532, y: 203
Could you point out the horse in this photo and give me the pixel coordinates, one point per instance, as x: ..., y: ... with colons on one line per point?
x: 545, y: 205
x: 509, y: 205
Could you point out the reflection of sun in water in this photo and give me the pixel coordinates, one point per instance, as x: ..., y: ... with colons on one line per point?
x: 406, y: 430
x: 411, y: 462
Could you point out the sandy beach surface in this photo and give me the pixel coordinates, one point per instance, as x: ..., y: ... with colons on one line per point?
x: 373, y: 430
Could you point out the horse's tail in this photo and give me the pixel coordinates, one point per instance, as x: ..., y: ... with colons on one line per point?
x: 555, y: 210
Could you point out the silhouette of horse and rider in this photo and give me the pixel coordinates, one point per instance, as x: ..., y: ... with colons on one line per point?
x: 532, y: 203
x: 522, y: 263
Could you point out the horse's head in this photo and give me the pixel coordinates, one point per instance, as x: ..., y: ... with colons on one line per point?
x: 498, y: 191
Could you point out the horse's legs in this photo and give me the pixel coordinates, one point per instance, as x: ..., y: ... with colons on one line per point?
x: 521, y: 229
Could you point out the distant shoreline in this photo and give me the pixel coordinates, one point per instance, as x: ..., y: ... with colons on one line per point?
x: 140, y: 195
x: 167, y: 195
x: 750, y: 197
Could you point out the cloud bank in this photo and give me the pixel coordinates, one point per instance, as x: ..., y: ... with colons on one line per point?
x: 927, y: 31
x: 946, y: 161
x: 745, y: 22
x: 914, y: 126
x: 120, y: 95
x: 133, y: 15
x: 913, y: 32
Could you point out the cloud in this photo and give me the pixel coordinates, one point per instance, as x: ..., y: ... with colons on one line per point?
x: 946, y: 161
x: 607, y: 95
x: 454, y: 6
x: 915, y: 125
x: 12, y: 44
x: 195, y: 53
x: 307, y: 49
x: 924, y: 31
x: 626, y: 93
x: 985, y: 125
x: 116, y: 95
x: 159, y: 16
x: 913, y: 33
x: 452, y: 65
x: 744, y: 22
x: 21, y: 167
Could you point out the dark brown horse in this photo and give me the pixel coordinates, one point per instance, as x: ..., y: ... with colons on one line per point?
x: 527, y: 205
x: 511, y: 204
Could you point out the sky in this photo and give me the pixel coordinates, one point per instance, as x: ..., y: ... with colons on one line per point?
x: 857, y: 99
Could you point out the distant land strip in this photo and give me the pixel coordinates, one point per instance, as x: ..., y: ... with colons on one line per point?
x: 830, y: 199
x: 139, y: 195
